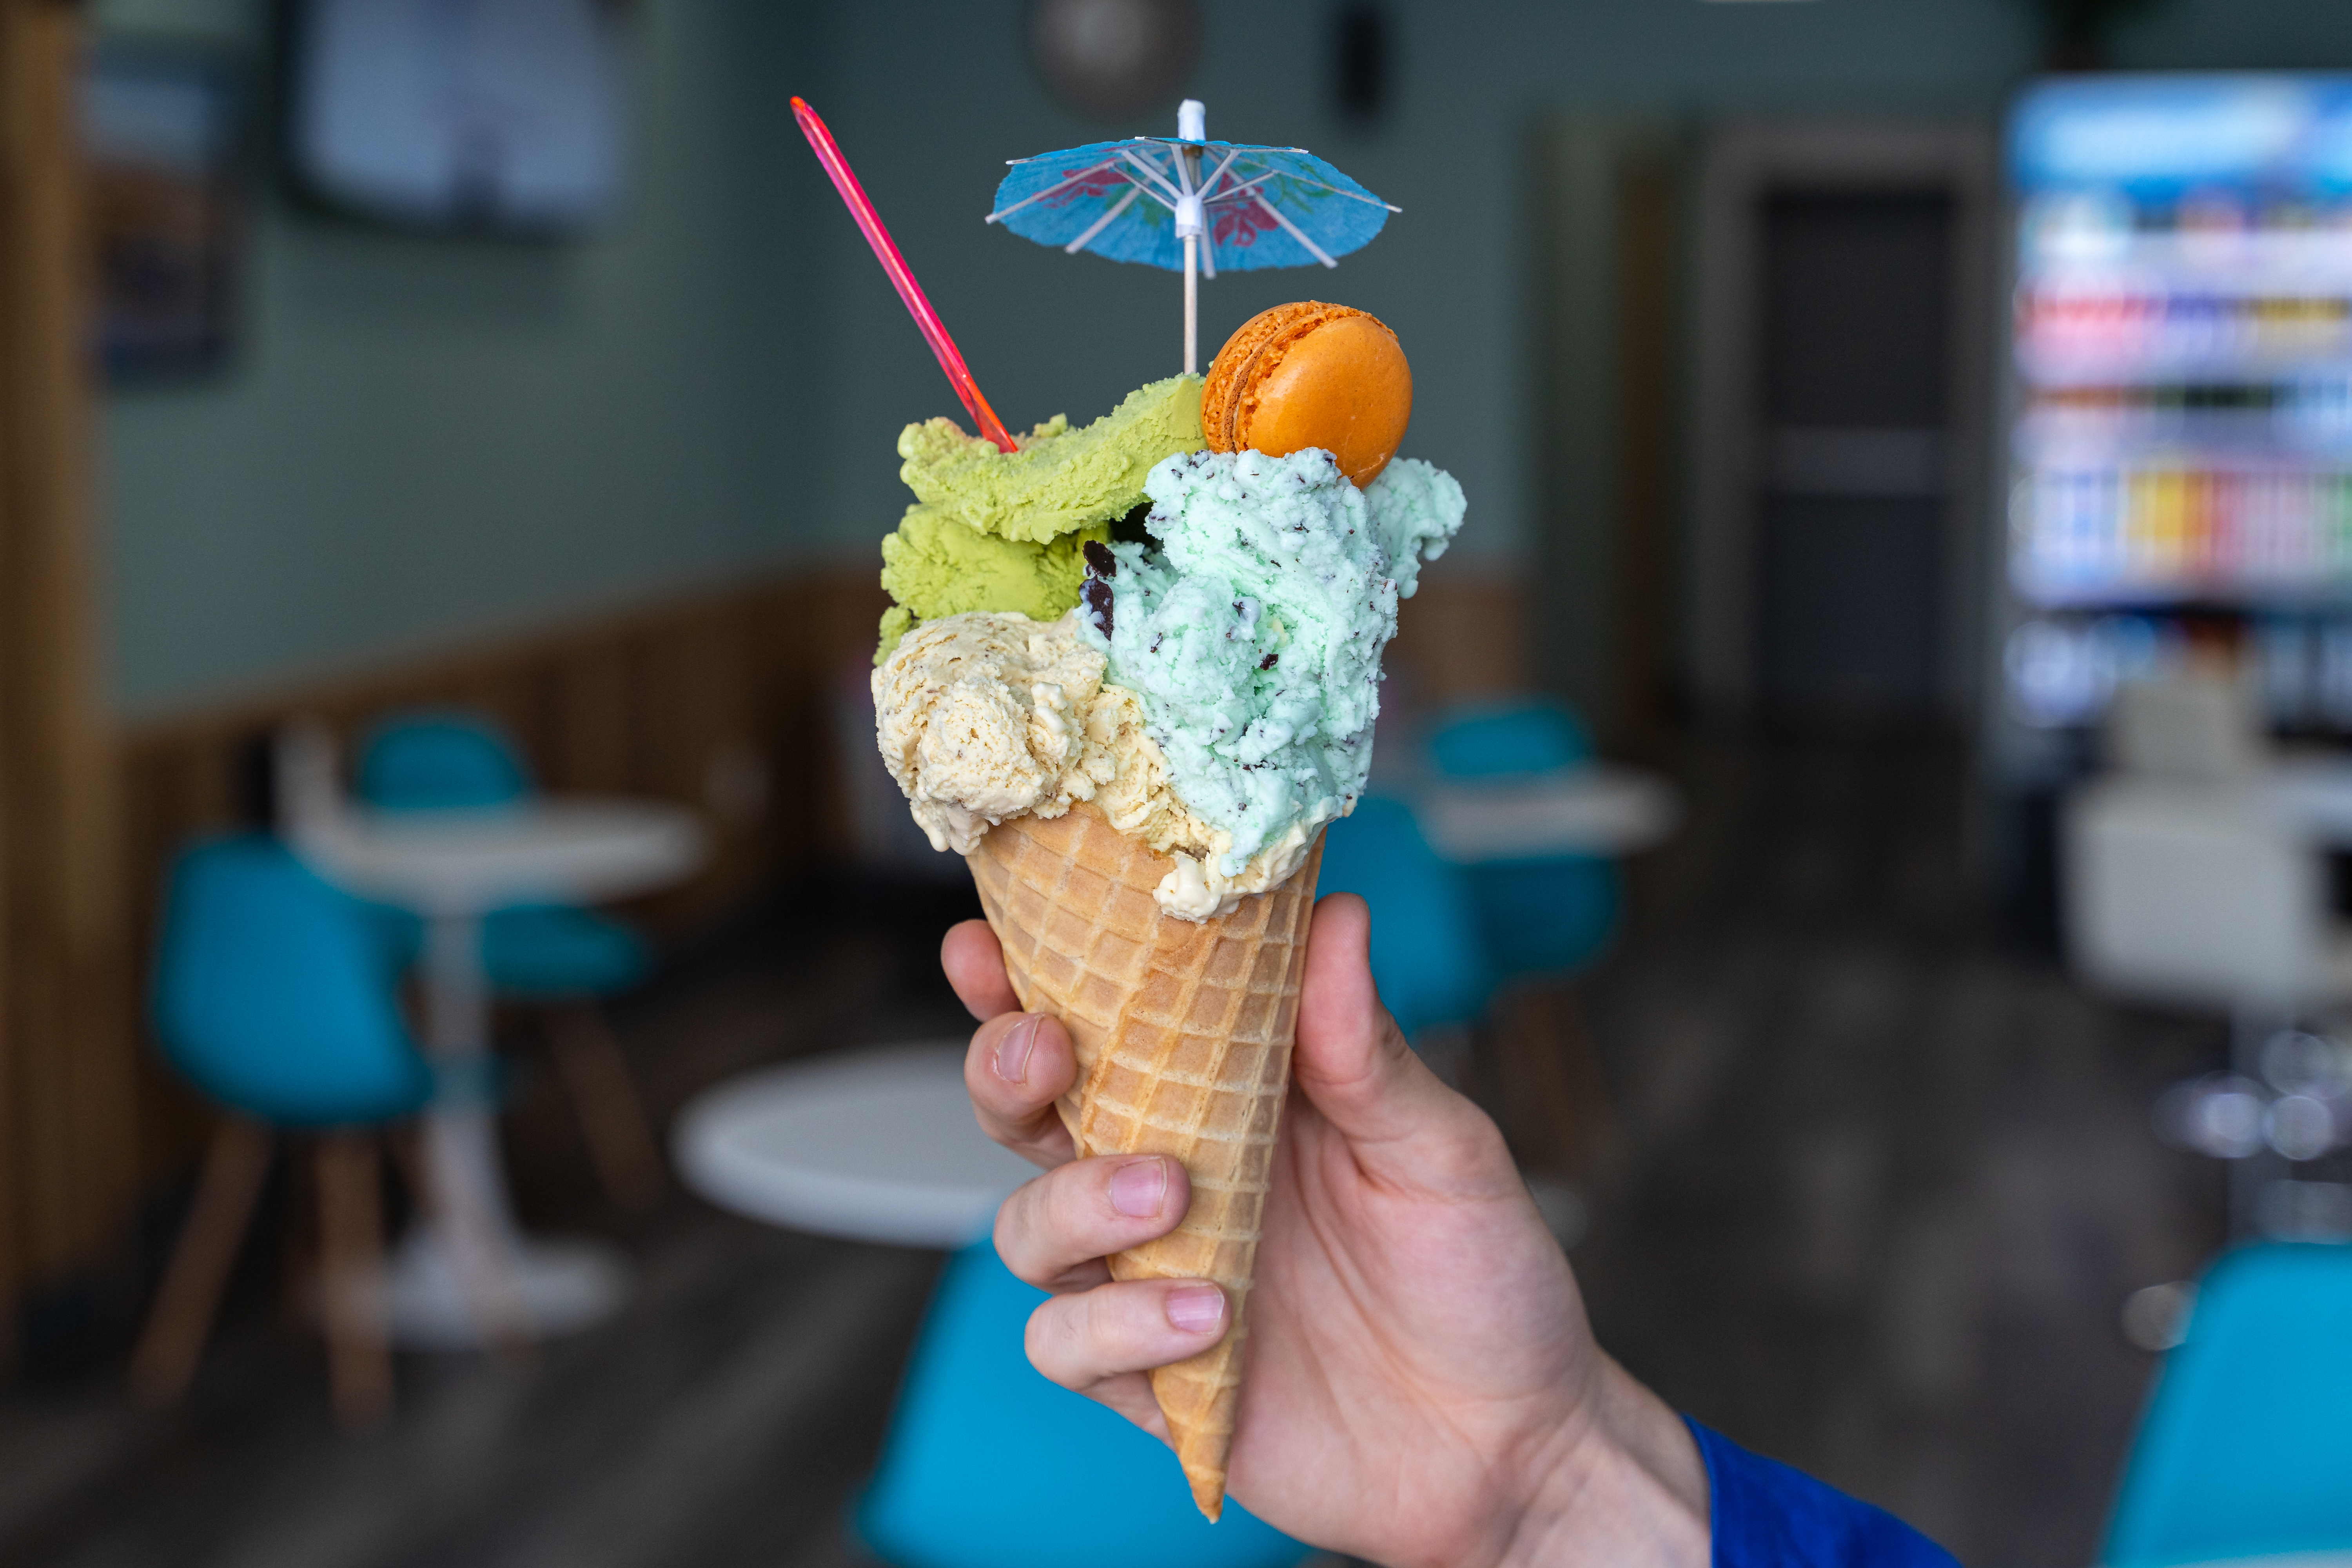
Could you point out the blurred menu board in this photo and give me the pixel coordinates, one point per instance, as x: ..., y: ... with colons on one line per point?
x: 2182, y: 345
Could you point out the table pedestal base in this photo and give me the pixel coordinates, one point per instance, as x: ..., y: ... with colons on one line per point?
x: 559, y: 1286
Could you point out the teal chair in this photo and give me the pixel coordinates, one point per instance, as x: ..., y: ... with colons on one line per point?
x: 973, y: 1407
x: 431, y: 759
x: 558, y: 958
x: 437, y: 759
x: 1508, y: 738
x: 272, y: 997
x: 1544, y: 918
x: 1429, y: 957
x: 1543, y: 914
x: 2245, y: 1450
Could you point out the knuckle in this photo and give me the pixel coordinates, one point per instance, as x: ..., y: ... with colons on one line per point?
x: 1015, y: 1234
x: 1051, y: 1342
x: 1077, y: 1197
x: 1468, y: 1149
x: 1106, y: 1319
x: 1070, y: 1206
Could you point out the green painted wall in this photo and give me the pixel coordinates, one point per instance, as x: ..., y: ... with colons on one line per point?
x: 428, y: 437
x: 424, y: 438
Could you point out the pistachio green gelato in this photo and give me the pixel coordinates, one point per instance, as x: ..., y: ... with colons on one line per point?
x: 1061, y: 479
x: 934, y: 566
x: 1002, y: 530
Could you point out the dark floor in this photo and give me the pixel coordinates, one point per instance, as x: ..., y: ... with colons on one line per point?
x: 1875, y: 1194
x: 1882, y: 1186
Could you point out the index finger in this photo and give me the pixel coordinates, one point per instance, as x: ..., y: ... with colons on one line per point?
x: 974, y: 962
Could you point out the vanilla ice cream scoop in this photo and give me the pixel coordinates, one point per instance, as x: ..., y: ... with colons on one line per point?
x: 985, y: 717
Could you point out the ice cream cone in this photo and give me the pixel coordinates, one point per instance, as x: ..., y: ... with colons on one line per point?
x: 1183, y: 1032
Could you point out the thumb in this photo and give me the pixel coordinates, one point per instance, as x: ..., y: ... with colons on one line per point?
x: 1351, y: 1060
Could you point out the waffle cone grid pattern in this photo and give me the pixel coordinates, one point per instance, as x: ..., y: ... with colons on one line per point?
x: 1183, y: 1032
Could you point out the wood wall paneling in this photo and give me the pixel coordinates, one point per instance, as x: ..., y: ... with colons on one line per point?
x: 677, y: 701
x: 68, y: 1161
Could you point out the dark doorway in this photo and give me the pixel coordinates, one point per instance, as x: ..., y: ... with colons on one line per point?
x: 1853, y: 427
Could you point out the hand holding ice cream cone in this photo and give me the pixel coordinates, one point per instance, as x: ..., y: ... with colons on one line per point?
x: 1422, y: 1384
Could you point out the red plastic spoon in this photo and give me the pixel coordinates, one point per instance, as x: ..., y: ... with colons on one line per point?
x: 935, y: 332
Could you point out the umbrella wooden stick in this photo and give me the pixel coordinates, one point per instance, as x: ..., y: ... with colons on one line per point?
x: 1191, y: 125
x: 1191, y: 304
x: 869, y: 222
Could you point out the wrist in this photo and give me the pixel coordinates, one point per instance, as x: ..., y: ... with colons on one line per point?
x: 1624, y: 1486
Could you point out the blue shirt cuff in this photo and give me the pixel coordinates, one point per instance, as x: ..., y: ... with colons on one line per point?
x: 1766, y: 1515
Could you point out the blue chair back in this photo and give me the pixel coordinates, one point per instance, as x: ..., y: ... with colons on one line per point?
x: 436, y: 760
x: 552, y: 951
x: 1117, y: 1494
x: 444, y: 759
x: 1548, y: 916
x: 1544, y: 915
x: 271, y: 994
x: 2246, y: 1447
x: 1428, y: 957
x: 1513, y: 735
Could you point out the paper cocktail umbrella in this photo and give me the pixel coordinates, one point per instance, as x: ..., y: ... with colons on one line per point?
x: 1186, y: 203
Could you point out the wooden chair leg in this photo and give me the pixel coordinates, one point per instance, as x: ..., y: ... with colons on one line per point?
x: 612, y: 1115
x: 1561, y: 1119
x: 408, y: 1160
x: 165, y: 1361
x: 351, y: 1258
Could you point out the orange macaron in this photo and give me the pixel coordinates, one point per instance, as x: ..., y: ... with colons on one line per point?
x: 1310, y: 374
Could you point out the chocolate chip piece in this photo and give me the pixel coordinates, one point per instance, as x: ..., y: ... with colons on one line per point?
x: 1099, y: 560
x: 1267, y: 662
x: 1097, y: 593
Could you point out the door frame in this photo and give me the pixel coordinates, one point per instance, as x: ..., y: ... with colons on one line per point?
x: 1741, y: 164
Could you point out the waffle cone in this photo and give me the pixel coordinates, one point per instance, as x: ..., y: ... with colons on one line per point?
x: 1183, y: 1032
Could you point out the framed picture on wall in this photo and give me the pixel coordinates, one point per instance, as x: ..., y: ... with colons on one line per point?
x: 162, y: 131
x: 466, y: 116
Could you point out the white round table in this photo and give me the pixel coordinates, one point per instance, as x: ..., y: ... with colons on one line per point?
x: 877, y: 1145
x: 467, y: 1275
x: 1595, y: 809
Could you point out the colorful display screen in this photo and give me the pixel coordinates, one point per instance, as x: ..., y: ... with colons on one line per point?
x: 2182, y: 350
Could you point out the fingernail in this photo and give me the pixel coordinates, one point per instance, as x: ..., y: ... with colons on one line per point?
x: 1196, y: 1309
x: 1013, y: 1053
x: 1138, y: 1187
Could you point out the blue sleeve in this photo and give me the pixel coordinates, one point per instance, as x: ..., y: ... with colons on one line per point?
x: 1767, y: 1515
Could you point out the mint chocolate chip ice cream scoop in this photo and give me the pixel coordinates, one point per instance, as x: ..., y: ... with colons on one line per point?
x: 1253, y: 633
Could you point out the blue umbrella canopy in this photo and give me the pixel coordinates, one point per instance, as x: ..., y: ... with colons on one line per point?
x: 1259, y: 206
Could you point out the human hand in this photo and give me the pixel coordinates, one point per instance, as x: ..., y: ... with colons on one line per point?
x: 1420, y: 1383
